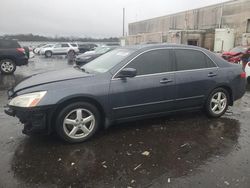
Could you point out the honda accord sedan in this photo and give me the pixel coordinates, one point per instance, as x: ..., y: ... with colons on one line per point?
x: 126, y: 84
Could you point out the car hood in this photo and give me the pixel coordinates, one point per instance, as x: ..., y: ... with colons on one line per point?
x: 50, y: 77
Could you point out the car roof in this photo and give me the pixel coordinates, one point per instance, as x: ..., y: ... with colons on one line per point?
x: 161, y: 45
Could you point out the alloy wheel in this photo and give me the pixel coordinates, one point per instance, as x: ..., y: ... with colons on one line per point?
x: 7, y: 66
x: 79, y: 123
x: 218, y: 102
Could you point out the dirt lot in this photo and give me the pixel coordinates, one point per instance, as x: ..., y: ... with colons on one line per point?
x: 181, y: 150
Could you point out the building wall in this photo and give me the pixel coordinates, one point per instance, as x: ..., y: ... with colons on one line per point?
x: 232, y: 14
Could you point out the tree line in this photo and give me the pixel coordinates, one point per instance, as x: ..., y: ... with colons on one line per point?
x: 38, y: 38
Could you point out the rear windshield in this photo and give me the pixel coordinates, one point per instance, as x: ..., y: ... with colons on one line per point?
x: 9, y: 44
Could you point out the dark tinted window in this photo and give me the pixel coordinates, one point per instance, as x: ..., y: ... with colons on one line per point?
x: 92, y: 46
x: 210, y: 63
x: 74, y: 45
x: 155, y: 61
x: 83, y: 46
x: 65, y: 45
x: 9, y: 44
x: 190, y: 59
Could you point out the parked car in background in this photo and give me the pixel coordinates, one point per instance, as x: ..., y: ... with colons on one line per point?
x: 112, y: 44
x: 86, y: 47
x: 45, y: 46
x: 59, y: 49
x: 11, y: 55
x: 38, y: 47
x: 85, y: 58
x: 126, y: 84
x: 99, y: 49
x: 235, y: 55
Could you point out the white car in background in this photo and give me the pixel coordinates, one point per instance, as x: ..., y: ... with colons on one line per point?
x: 247, y: 70
x: 60, y: 49
x: 37, y: 50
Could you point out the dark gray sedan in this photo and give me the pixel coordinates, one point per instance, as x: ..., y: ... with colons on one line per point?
x: 126, y: 84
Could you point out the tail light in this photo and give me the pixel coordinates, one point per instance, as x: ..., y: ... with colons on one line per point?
x: 243, y: 75
x: 20, y: 50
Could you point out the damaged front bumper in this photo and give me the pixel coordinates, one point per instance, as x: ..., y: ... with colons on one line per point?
x: 35, y: 120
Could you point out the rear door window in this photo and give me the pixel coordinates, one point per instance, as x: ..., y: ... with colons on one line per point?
x: 155, y: 61
x: 9, y: 44
x: 65, y: 45
x: 190, y: 59
x: 210, y: 63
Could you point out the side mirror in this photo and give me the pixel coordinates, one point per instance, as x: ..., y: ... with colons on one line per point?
x: 127, y: 73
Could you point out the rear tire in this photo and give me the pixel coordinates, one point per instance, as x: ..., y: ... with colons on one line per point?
x: 77, y: 122
x: 7, y: 66
x: 48, y: 54
x: 217, y: 103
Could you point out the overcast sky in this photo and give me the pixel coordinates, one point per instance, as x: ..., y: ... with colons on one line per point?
x: 84, y: 18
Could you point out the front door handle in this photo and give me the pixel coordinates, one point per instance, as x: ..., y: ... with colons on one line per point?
x: 165, y: 81
x: 211, y: 74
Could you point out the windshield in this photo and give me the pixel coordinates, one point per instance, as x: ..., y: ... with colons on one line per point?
x: 239, y: 49
x: 102, y: 50
x: 107, y: 61
x: 48, y: 46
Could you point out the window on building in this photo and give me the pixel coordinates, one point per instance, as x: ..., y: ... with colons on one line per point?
x: 193, y: 42
x: 248, y: 26
x: 155, y: 61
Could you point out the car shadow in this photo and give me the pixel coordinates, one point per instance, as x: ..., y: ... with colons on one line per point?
x: 141, y: 151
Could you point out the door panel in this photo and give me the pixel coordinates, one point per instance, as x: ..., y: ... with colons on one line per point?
x: 142, y: 95
x: 57, y: 49
x: 196, y: 75
x: 193, y: 86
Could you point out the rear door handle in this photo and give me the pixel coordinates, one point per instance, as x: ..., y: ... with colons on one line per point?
x: 211, y: 74
x: 165, y: 81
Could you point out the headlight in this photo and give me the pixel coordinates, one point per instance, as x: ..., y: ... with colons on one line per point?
x: 28, y: 100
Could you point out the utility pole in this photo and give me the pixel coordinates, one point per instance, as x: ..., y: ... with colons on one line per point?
x: 123, y: 25
x: 221, y: 15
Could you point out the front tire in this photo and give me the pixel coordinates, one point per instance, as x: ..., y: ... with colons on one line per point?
x: 77, y: 122
x: 217, y: 103
x: 7, y: 66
